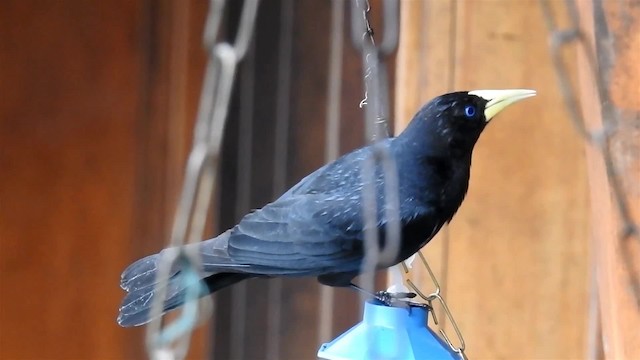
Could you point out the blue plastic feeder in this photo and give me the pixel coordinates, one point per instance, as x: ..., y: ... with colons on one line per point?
x: 387, y: 333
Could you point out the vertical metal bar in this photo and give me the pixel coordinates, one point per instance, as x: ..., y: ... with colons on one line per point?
x: 332, y: 145
x: 445, y: 232
x: 285, y: 42
x: 332, y: 142
x: 282, y: 97
x: 243, y: 195
x: 594, y: 333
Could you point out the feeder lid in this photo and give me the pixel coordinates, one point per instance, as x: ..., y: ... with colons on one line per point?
x: 388, y: 333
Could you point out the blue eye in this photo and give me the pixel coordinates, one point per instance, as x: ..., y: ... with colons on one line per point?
x: 470, y: 111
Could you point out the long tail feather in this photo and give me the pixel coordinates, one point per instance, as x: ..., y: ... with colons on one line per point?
x: 140, y: 280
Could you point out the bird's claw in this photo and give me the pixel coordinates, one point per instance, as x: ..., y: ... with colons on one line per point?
x: 397, y: 299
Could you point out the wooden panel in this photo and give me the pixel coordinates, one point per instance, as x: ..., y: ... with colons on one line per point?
x: 93, y: 131
x: 71, y: 84
x: 523, y: 235
x: 517, y: 265
x: 615, y: 34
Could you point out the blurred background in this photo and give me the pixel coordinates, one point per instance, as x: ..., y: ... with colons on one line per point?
x: 97, y: 105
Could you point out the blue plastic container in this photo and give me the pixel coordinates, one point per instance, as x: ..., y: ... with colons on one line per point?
x: 387, y: 333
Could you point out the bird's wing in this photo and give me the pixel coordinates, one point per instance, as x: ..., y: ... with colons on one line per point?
x: 299, y: 234
x: 341, y: 175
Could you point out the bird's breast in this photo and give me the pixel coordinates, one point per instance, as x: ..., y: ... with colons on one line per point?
x: 453, y: 191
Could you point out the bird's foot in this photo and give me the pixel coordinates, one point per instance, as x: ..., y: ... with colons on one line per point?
x: 396, y: 298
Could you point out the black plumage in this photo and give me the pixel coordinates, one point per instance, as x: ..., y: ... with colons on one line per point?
x: 316, y: 228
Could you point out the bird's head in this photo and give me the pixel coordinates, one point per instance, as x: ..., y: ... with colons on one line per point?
x: 451, y: 123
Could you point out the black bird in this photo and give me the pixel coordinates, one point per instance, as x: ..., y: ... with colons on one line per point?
x: 316, y: 228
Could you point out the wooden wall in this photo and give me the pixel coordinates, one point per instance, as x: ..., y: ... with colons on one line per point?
x: 613, y: 30
x: 91, y: 163
x: 514, y: 261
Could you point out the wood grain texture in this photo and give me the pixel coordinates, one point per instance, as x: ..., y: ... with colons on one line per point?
x: 89, y: 157
x: 517, y: 264
x: 614, y: 34
x: 71, y: 91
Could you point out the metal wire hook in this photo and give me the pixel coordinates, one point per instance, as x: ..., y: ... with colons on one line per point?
x: 436, y: 296
x: 391, y: 33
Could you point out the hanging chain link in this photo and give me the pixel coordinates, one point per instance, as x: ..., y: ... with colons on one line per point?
x: 376, y: 81
x: 172, y: 340
x: 376, y: 108
x: 376, y: 105
x: 601, y: 138
x: 436, y: 296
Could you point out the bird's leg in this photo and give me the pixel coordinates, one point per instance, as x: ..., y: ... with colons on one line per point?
x: 385, y: 297
x: 358, y: 288
x: 389, y: 297
x: 400, y: 299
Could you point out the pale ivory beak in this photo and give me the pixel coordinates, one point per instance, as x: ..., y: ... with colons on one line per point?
x: 498, y: 100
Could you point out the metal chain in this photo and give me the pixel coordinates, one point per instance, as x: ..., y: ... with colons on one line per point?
x: 172, y: 340
x: 376, y: 92
x: 437, y: 297
x: 332, y: 141
x: 601, y: 138
x: 376, y: 104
